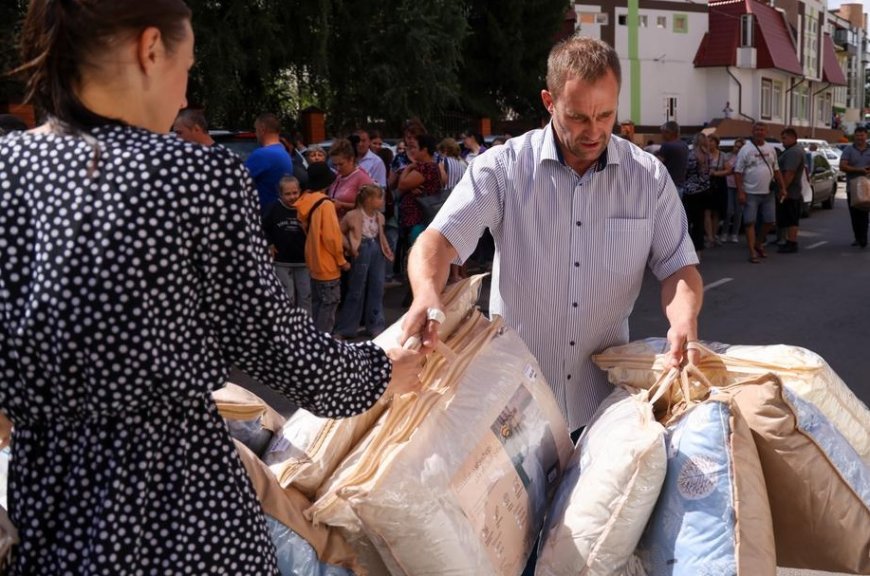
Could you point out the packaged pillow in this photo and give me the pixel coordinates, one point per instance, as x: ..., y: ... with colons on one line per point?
x: 250, y: 420
x: 315, y: 547
x: 608, y: 491
x: 465, y: 481
x: 803, y: 372
x: 712, y: 516
x: 819, y: 488
x: 310, y: 448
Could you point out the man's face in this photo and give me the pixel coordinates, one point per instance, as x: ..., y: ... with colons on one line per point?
x: 183, y: 131
x: 583, y: 117
x: 787, y: 139
x: 376, y: 145
x: 362, y: 147
x: 759, y: 132
x: 860, y: 139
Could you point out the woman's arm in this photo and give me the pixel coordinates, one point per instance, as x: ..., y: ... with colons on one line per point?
x: 410, y: 180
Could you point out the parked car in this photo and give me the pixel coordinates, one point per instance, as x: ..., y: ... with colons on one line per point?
x: 830, y: 151
x: 727, y: 144
x: 242, y: 143
x: 822, y: 180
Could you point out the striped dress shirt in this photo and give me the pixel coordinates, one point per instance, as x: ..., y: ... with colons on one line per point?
x: 571, y: 251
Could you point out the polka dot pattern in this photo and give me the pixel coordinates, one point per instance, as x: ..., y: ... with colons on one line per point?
x: 134, y: 274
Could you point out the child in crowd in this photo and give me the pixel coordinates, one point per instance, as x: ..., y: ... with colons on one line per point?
x: 363, y: 228
x: 324, y: 253
x: 286, y: 239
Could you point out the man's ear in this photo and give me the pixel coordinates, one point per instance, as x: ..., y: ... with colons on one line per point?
x: 149, y: 49
x: 547, y: 99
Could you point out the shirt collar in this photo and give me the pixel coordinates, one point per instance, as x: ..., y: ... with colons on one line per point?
x: 551, y: 150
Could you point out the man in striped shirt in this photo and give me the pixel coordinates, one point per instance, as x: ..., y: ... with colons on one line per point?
x: 577, y: 214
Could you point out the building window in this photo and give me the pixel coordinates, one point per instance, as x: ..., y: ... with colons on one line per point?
x: 800, y: 99
x: 747, y: 30
x: 622, y: 19
x: 591, y: 18
x: 642, y: 21
x: 661, y: 21
x: 766, y: 89
x: 602, y: 19
x: 776, y: 100
x: 670, y: 103
x: 811, y: 44
x: 681, y: 23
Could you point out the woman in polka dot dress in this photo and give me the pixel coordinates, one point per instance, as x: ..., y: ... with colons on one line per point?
x: 133, y: 275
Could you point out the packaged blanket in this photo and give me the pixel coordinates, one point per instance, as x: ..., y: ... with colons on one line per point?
x: 309, y: 448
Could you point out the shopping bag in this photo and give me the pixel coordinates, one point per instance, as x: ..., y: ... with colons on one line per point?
x: 859, y: 193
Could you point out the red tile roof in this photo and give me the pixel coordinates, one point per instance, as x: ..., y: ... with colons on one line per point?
x: 773, y: 41
x: 831, y: 71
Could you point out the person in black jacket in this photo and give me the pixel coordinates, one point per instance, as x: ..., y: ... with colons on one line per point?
x: 286, y: 239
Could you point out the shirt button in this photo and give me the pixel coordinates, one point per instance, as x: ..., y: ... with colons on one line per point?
x: 579, y: 223
x: 576, y: 264
x: 574, y: 304
x: 572, y: 342
x: 569, y: 377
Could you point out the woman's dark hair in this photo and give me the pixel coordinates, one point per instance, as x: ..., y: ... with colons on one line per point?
x: 428, y: 142
x: 59, y: 36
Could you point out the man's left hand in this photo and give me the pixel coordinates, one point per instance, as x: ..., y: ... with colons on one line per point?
x: 679, y: 339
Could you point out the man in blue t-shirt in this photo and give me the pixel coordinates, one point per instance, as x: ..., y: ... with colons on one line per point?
x: 269, y: 163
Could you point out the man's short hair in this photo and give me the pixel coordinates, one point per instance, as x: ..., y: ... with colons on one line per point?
x: 860, y: 129
x: 789, y: 131
x: 588, y: 59
x: 759, y: 123
x: 191, y: 117
x: 269, y: 122
x: 671, y: 127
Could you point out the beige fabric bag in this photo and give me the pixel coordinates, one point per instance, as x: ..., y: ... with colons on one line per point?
x: 249, y: 419
x: 712, y: 516
x: 819, y: 492
x: 310, y: 448
x: 859, y: 192
x: 286, y: 505
x: 462, y: 478
x: 640, y: 363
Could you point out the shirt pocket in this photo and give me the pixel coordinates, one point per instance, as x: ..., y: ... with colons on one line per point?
x: 627, y: 245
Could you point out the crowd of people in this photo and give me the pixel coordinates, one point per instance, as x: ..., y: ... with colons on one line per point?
x: 340, y: 223
x: 753, y: 190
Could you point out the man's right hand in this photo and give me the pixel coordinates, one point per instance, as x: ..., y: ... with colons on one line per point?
x: 741, y: 197
x: 417, y: 323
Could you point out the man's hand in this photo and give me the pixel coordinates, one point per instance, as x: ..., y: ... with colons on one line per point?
x: 682, y: 297
x: 419, y: 322
x: 679, y: 339
x: 345, y: 267
x: 741, y: 196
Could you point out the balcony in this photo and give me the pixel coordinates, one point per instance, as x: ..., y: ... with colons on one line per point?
x: 843, y: 38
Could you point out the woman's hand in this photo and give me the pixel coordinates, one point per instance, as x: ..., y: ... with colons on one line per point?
x: 407, y: 365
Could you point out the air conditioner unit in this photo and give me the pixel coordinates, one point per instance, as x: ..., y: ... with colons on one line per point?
x: 746, y: 57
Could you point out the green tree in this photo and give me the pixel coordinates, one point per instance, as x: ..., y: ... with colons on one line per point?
x: 241, y: 48
x: 393, y: 60
x: 505, y: 57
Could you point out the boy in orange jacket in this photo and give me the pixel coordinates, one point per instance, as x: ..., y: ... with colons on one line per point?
x: 324, y: 253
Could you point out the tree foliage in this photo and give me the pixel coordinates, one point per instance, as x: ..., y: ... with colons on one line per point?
x: 360, y: 60
x: 505, y: 56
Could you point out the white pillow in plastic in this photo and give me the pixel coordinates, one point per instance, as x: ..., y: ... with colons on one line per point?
x: 608, y: 491
x: 640, y: 363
